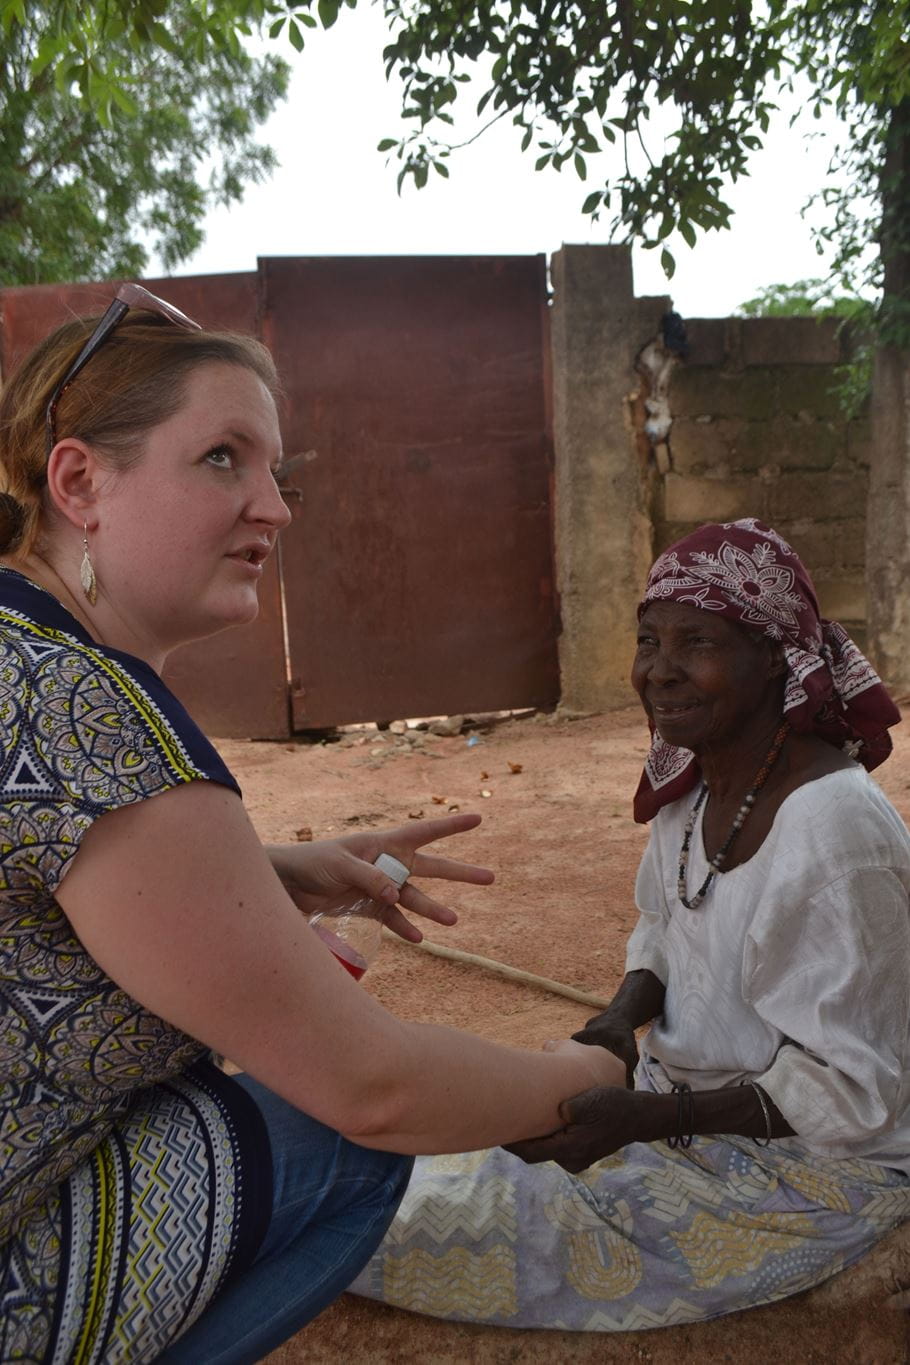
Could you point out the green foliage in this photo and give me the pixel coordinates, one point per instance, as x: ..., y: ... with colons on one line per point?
x: 817, y: 299
x: 685, y: 90
x: 856, y: 54
x: 687, y: 77
x: 681, y: 92
x: 808, y: 298
x: 107, y: 128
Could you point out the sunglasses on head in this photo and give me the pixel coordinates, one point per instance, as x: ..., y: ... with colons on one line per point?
x: 128, y: 296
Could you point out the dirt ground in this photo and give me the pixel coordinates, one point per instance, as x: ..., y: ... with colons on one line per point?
x: 555, y: 793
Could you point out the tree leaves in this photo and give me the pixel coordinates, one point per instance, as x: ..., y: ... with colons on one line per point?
x: 328, y: 12
x: 683, y: 89
x: 102, y: 149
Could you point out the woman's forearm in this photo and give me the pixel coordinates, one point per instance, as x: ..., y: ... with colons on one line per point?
x: 639, y: 999
x: 735, y: 1109
x: 433, y: 1089
x: 175, y: 900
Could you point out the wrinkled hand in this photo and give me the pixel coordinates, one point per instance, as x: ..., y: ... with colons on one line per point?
x: 598, y: 1122
x: 313, y: 873
x: 617, y: 1036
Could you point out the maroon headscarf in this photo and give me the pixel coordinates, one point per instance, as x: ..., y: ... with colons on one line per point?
x: 748, y: 573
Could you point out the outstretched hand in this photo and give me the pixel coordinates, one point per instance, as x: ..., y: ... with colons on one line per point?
x: 316, y: 872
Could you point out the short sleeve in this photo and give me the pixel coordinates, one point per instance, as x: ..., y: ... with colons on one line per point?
x: 84, y: 734
x: 646, y: 948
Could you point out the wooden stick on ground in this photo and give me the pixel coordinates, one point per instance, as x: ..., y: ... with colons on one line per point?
x: 490, y: 964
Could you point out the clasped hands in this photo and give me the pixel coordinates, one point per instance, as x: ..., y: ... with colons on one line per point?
x: 601, y: 1120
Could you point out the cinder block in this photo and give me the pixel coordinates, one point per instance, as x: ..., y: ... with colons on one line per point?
x: 828, y: 548
x: 707, y: 339
x: 719, y: 393
x: 790, y: 341
x: 698, y: 500
x: 787, y: 442
x: 819, y: 496
x: 842, y: 597
x: 667, y: 533
x: 812, y: 389
x: 699, y: 446
x: 859, y: 442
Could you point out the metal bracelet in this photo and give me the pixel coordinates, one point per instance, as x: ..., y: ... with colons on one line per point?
x: 767, y: 1113
x: 685, y: 1116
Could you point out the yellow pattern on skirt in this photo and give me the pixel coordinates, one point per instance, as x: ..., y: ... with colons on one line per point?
x: 645, y: 1238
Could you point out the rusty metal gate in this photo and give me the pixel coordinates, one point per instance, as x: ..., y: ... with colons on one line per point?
x: 418, y: 568
x: 417, y: 573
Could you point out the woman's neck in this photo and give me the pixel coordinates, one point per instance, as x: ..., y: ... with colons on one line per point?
x: 102, y: 624
x: 730, y: 769
x: 40, y: 571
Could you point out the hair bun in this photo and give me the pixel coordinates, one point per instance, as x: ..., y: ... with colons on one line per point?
x: 12, y: 521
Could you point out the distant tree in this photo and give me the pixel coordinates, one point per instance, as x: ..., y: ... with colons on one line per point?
x: 88, y: 175
x: 807, y: 298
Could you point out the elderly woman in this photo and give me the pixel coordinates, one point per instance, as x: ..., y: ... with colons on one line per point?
x: 766, y: 1143
x: 147, y: 1199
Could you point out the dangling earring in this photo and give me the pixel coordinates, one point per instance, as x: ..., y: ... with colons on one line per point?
x: 87, y: 570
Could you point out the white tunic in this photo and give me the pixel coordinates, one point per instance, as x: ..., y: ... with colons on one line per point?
x: 795, y: 969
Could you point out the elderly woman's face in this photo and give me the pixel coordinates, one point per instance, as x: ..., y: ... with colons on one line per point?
x: 702, y: 679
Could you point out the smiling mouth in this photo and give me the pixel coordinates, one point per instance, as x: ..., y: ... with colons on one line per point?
x: 665, y: 711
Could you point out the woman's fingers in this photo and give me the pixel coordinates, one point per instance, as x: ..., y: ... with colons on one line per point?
x: 348, y: 862
x: 416, y: 833
x: 404, y: 841
x: 450, y: 869
x: 535, y: 1150
x: 400, y: 924
x: 419, y: 903
x: 413, y: 836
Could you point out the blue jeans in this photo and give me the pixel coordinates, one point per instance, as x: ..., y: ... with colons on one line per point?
x: 331, y: 1204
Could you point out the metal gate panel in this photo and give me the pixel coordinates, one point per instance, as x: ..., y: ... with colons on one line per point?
x: 418, y: 567
x: 29, y: 312
x: 235, y: 683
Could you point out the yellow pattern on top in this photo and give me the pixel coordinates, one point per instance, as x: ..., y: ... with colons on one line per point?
x: 171, y: 747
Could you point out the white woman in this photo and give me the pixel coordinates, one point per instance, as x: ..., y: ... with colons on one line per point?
x: 766, y: 1142
x: 150, y: 1206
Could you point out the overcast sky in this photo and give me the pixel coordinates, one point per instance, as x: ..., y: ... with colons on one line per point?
x: 335, y: 195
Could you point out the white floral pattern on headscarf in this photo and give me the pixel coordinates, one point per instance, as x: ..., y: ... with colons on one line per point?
x: 747, y: 572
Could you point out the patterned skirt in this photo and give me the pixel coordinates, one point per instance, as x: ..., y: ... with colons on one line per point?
x: 125, y: 1254
x: 645, y: 1238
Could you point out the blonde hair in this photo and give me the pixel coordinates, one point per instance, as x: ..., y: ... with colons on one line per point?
x: 136, y: 380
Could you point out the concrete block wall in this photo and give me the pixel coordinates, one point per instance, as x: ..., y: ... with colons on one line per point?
x: 603, y: 522
x: 759, y: 430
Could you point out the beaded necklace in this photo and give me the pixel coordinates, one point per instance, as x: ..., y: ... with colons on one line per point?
x: 716, y: 863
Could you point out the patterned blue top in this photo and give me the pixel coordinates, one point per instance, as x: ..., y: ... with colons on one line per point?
x: 134, y: 1176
